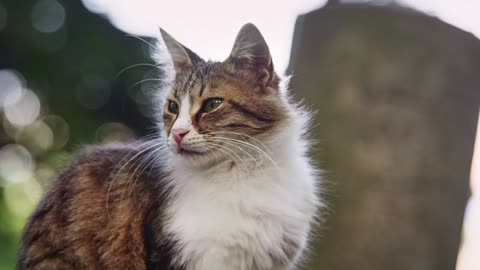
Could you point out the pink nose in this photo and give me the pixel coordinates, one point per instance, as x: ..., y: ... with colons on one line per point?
x: 178, y: 134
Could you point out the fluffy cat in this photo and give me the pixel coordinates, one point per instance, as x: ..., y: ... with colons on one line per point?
x: 225, y: 184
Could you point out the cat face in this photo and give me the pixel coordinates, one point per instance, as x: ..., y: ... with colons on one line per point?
x: 220, y: 110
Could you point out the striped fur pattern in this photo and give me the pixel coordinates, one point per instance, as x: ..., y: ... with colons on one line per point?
x: 237, y: 192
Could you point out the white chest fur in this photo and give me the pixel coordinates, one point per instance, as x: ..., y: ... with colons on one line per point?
x: 235, y: 220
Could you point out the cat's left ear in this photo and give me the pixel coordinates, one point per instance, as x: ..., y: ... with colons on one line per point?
x: 251, y: 52
x: 181, y: 56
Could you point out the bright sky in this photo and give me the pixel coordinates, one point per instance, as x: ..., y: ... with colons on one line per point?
x: 209, y: 26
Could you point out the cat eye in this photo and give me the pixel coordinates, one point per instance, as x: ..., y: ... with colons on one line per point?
x: 172, y: 107
x: 211, y: 104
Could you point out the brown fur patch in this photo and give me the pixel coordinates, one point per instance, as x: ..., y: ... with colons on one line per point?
x: 72, y: 228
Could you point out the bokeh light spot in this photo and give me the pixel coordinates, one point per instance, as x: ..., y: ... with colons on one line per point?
x: 114, y: 132
x: 60, y: 128
x: 37, y: 137
x: 16, y: 164
x: 48, y: 16
x: 24, y: 111
x: 12, y: 85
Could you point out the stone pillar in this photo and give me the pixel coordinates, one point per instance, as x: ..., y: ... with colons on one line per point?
x: 397, y: 98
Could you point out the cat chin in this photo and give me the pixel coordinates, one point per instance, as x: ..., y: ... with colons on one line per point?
x: 191, y: 153
x: 200, y: 160
x: 193, y: 158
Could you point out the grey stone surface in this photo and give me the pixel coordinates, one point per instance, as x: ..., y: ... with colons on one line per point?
x: 397, y: 99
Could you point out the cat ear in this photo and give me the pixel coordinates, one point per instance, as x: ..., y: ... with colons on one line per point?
x: 181, y: 56
x: 250, y: 51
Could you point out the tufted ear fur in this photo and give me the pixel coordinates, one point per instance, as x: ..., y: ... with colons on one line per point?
x: 181, y: 56
x: 250, y: 51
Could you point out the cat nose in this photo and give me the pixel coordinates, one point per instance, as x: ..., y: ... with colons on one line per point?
x: 178, y: 134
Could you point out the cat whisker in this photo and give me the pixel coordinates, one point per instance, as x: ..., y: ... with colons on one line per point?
x: 212, y: 150
x: 117, y: 172
x: 251, y: 146
x: 236, y: 145
x: 142, y: 39
x: 235, y: 157
x: 145, y: 80
x: 143, y: 163
x: 135, y: 65
x: 155, y: 161
x: 224, y: 149
x: 142, y: 166
x: 149, y: 137
x: 247, y: 136
x: 139, y: 145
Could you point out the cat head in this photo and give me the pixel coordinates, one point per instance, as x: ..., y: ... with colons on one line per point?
x: 220, y: 110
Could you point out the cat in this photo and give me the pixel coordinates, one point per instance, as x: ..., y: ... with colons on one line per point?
x: 225, y: 184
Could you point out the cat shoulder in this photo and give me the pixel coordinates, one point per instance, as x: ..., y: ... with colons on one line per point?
x: 97, y: 162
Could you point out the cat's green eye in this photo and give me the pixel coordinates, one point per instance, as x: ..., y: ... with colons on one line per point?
x: 172, y: 107
x: 211, y: 104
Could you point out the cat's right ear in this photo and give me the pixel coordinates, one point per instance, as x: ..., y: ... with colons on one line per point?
x: 180, y: 56
x: 250, y: 52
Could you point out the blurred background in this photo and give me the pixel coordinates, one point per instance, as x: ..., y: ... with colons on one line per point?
x: 395, y: 86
